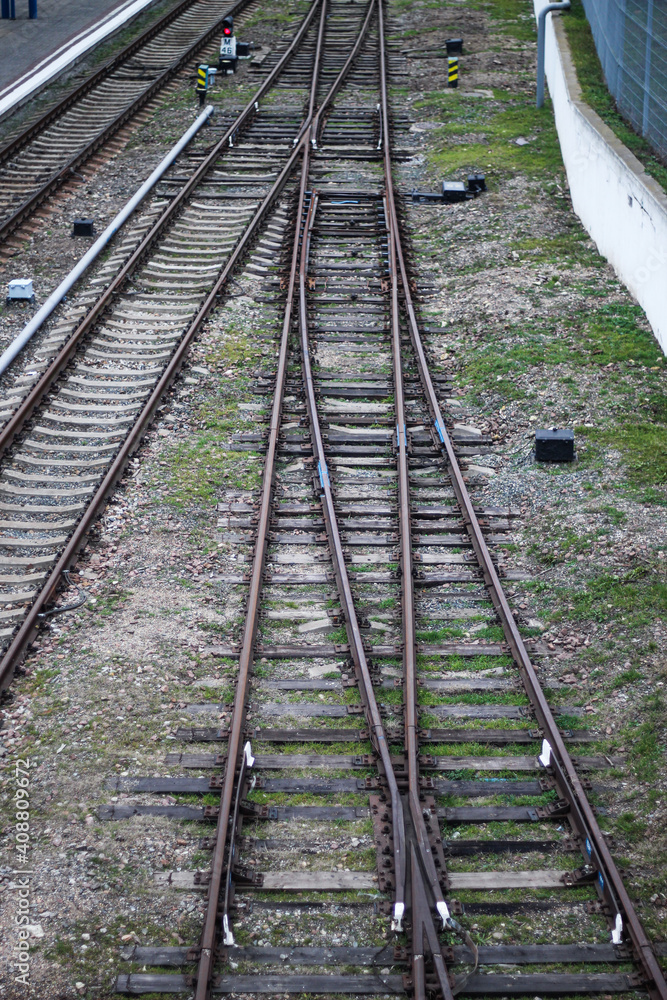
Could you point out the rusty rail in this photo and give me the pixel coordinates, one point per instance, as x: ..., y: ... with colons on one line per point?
x: 423, y: 869
x: 357, y: 652
x: 23, y: 637
x: 620, y: 911
x: 221, y: 866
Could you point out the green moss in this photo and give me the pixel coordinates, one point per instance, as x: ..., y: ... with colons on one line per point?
x: 643, y: 447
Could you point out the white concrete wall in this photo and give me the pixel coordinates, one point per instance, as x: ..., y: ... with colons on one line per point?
x: 622, y: 208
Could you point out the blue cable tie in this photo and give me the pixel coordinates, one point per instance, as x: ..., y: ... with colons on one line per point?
x: 439, y: 430
x: 322, y: 473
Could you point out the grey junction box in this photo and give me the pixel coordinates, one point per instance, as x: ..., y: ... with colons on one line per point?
x: 20, y: 289
x: 554, y: 444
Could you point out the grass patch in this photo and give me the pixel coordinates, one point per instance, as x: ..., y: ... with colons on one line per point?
x: 630, y: 828
x: 643, y: 447
x: 493, y: 129
x: 645, y: 740
x: 604, y: 598
x: 614, y: 333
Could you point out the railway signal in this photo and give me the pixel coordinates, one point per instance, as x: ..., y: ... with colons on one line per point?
x: 228, y: 54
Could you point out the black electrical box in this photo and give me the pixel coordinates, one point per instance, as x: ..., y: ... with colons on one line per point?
x: 454, y: 46
x: 242, y: 50
x: 453, y: 191
x: 83, y: 227
x: 476, y: 183
x: 554, y: 444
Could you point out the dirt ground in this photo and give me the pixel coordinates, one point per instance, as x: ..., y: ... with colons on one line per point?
x: 535, y: 331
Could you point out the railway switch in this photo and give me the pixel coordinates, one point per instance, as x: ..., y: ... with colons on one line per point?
x: 554, y: 444
x: 476, y: 183
x: 453, y: 191
x: 82, y: 227
x: 20, y: 289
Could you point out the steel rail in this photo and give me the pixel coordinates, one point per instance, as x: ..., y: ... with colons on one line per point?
x: 46, y: 380
x: 610, y: 887
x: 357, y: 652
x: 65, y: 172
x: 411, y: 717
x: 424, y: 934
x: 223, y: 844
x: 340, y: 79
x: 29, y: 626
x: 423, y: 865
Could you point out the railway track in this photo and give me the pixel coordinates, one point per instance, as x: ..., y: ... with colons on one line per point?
x: 370, y: 754
x: 378, y: 485
x: 48, y: 152
x: 100, y: 379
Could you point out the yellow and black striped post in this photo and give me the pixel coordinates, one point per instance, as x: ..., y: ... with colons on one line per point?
x: 452, y: 71
x: 202, y: 82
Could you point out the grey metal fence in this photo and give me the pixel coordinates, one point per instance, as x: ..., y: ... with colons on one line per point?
x: 631, y: 40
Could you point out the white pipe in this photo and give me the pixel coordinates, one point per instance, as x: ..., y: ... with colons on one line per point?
x: 541, y: 34
x: 63, y: 288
